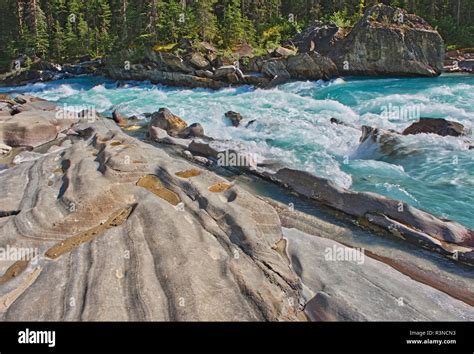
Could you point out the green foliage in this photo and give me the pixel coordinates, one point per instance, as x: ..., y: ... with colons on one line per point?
x: 65, y: 29
x: 341, y: 19
x: 233, y: 26
x: 458, y: 37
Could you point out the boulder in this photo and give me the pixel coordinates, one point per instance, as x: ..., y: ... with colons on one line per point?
x: 275, y: 68
x: 20, y: 77
x: 224, y: 71
x: 234, y: 117
x: 253, y: 65
x: 437, y: 126
x: 244, y: 51
x: 373, y: 140
x: 388, y: 41
x: 167, y: 121
x: 311, y: 66
x: 195, y: 130
x: 198, y: 61
x: 26, y: 129
x: 168, y: 62
x: 319, y: 37
x: 203, y: 149
x: 119, y: 118
x: 282, y: 52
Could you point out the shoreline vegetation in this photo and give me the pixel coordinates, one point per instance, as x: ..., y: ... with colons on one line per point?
x: 341, y: 44
x: 170, y: 227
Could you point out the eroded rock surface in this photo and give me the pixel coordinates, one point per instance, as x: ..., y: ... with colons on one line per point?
x: 110, y: 247
x: 118, y: 229
x: 364, y: 289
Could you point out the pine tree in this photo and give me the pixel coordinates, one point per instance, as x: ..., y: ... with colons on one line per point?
x: 41, y: 34
x: 58, y: 40
x: 205, y: 19
x: 232, y: 29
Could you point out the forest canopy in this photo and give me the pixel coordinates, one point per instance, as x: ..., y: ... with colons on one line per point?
x: 65, y: 29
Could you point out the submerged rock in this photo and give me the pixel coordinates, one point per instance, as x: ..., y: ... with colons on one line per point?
x: 234, y: 117
x: 437, y: 126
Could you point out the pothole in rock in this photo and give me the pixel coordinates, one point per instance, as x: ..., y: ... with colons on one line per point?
x: 219, y: 187
x: 67, y: 245
x: 153, y: 184
x: 194, y: 172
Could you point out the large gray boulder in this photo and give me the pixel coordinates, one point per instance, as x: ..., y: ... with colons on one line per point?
x: 168, y: 62
x: 390, y: 42
x: 311, y: 66
x: 303, y: 66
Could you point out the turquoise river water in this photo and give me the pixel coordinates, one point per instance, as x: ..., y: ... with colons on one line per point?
x: 293, y: 126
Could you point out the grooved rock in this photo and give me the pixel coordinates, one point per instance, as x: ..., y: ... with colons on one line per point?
x: 195, y: 130
x: 404, y: 220
x: 165, y: 248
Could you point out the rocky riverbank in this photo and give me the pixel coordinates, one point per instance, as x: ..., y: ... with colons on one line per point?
x: 387, y: 41
x: 321, y: 52
x: 121, y: 229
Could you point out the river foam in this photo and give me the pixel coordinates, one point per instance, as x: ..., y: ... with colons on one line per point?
x: 293, y: 127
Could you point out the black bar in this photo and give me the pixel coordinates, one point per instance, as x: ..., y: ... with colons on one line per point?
x: 237, y: 337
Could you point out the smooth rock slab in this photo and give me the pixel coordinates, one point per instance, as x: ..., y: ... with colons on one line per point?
x: 369, y: 291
